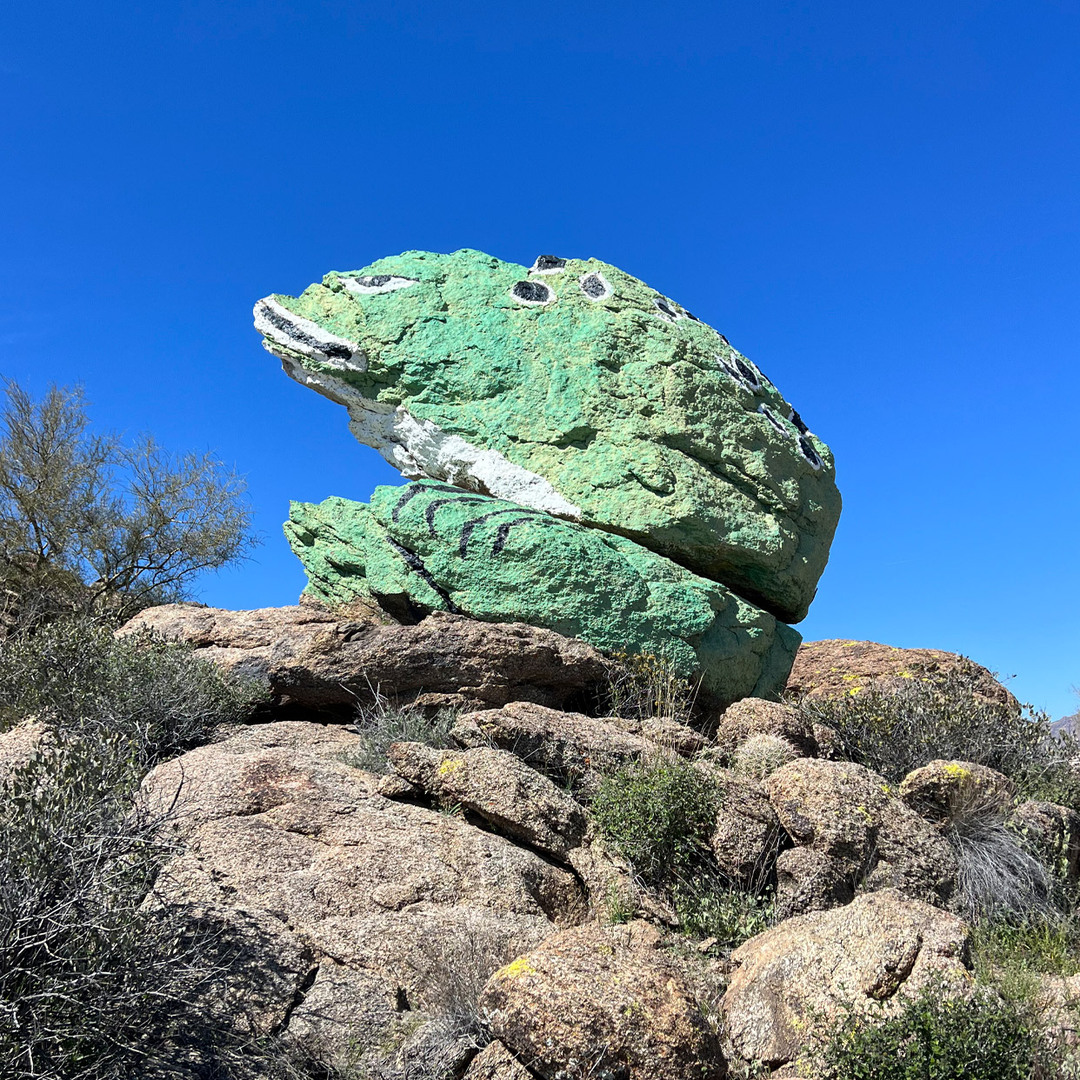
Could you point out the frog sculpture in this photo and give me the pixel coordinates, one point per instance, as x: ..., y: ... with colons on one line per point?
x: 572, y: 389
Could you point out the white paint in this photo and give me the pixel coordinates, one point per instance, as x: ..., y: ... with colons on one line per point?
x: 267, y: 309
x: 420, y: 448
x: 357, y: 285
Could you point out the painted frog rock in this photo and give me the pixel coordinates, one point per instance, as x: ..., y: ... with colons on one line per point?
x: 572, y: 388
x: 430, y: 546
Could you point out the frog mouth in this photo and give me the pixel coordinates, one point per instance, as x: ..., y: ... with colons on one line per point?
x: 286, y: 335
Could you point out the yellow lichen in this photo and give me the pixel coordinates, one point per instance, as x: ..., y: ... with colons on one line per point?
x: 955, y: 771
x: 515, y: 969
x: 450, y: 765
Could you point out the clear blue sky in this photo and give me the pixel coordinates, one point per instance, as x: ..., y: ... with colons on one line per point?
x: 878, y: 203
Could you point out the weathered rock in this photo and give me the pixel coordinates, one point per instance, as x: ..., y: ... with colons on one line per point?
x: 940, y: 789
x: 601, y: 1000
x: 495, y: 1062
x: 837, y: 668
x: 576, y: 390
x: 753, y: 716
x: 395, y: 901
x: 803, y: 971
x: 315, y: 657
x: 1053, y: 831
x: 569, y: 746
x: 518, y: 801
x: 867, y: 836
x: 431, y: 547
x: 747, y: 834
x: 20, y: 744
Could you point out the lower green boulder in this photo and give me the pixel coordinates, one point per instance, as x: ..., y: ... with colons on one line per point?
x: 429, y: 546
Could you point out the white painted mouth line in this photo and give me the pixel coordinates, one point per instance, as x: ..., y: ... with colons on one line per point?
x: 280, y: 326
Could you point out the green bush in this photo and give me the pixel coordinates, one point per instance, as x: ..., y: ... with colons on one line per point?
x: 659, y: 815
x: 156, y: 695
x: 935, y: 1037
x: 710, y: 907
x: 896, y: 731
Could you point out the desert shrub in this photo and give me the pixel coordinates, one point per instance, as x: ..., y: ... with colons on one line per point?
x: 659, y: 815
x: 642, y: 686
x: 382, y: 723
x: 709, y: 906
x: 1011, y: 955
x: 895, y: 731
x: 936, y: 1036
x: 94, y: 981
x: 85, y: 683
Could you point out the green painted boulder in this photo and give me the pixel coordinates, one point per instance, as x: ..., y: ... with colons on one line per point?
x: 576, y: 389
x: 429, y: 546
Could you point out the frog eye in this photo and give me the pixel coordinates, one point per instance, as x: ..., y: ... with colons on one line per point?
x: 669, y: 310
x: 773, y: 419
x: 798, y: 421
x: 534, y: 293
x: 547, y: 264
x: 594, y: 286
x: 807, y: 450
x: 376, y: 283
x: 742, y: 371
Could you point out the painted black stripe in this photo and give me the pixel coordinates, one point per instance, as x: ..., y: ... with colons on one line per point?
x: 416, y: 564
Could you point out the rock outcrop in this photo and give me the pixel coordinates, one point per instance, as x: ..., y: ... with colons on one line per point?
x: 313, y: 657
x: 800, y: 974
x: 573, y: 389
x: 432, y: 547
x: 601, y: 1001
x: 393, y: 905
x: 851, y: 832
x: 837, y: 668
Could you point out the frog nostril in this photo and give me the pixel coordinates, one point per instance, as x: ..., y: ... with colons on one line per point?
x: 594, y: 286
x: 532, y: 292
x: 547, y: 264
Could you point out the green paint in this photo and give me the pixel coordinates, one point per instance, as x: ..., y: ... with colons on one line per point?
x: 430, y: 546
x: 647, y: 426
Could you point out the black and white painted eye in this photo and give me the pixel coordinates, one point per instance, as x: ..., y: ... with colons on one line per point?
x: 691, y: 315
x: 742, y: 371
x: 534, y: 293
x: 669, y: 310
x: 773, y: 419
x: 594, y: 286
x: 377, y: 283
x: 806, y: 448
x: 547, y: 264
x: 798, y: 421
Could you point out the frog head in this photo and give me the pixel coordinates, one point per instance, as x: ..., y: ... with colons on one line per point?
x: 572, y: 387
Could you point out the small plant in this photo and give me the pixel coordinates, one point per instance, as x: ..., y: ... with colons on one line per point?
x: 760, y: 755
x: 383, y: 723
x: 642, y: 686
x: 936, y: 1036
x: 896, y: 731
x: 998, y: 877
x: 659, y: 815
